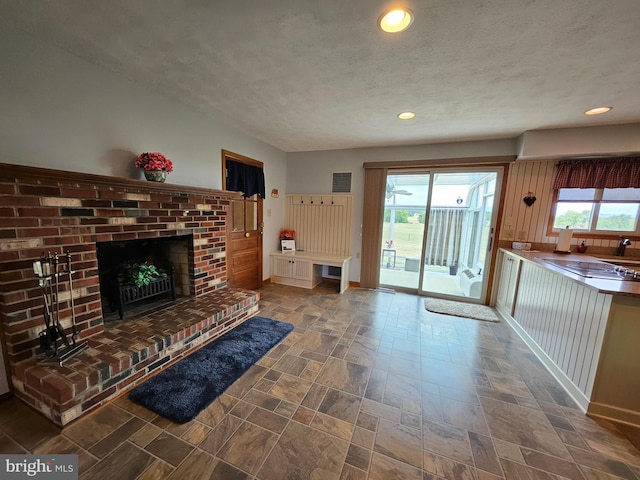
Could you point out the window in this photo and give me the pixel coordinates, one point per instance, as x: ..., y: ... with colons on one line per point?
x: 598, y: 210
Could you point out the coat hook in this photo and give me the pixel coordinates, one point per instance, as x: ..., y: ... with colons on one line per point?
x: 311, y: 200
x: 321, y: 201
x: 331, y: 200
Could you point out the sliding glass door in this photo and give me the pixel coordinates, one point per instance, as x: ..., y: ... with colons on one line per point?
x: 459, y: 234
x: 438, y: 231
x: 405, y: 209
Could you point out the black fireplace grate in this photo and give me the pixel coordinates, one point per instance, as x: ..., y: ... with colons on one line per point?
x: 131, y: 294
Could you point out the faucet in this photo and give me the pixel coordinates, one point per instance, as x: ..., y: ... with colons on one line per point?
x: 624, y: 241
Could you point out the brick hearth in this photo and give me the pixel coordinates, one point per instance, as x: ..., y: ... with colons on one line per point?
x: 123, y: 356
x: 44, y: 211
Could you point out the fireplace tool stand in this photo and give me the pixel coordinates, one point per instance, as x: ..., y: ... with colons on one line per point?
x: 52, y: 272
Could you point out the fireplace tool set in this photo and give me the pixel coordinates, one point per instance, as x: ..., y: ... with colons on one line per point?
x: 53, y: 271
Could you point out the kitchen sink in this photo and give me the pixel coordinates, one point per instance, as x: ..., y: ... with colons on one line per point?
x: 604, y: 270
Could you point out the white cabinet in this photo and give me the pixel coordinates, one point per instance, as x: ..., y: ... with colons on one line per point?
x: 508, y: 283
x: 288, y: 269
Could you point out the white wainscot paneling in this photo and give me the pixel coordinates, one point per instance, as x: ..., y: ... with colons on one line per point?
x: 566, y: 321
x: 322, y: 222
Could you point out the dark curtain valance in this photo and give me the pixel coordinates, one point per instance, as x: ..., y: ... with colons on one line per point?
x: 619, y: 172
x: 245, y: 178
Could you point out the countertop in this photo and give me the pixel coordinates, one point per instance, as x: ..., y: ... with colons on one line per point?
x: 614, y: 287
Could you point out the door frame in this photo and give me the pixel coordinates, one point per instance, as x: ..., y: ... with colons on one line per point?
x: 374, y: 222
x: 228, y: 155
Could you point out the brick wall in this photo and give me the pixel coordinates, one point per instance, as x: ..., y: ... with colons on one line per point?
x: 45, y: 210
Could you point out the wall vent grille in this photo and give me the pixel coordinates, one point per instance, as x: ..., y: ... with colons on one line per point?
x: 341, y: 182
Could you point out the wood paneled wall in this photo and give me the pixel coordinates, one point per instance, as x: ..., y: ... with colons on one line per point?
x: 322, y: 222
x: 529, y: 224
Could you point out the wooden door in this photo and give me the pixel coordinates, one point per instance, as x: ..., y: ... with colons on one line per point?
x: 244, y: 235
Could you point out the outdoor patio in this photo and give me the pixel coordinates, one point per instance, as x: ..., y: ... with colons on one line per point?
x: 436, y: 279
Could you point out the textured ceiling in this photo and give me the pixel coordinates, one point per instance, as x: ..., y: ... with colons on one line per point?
x: 318, y: 74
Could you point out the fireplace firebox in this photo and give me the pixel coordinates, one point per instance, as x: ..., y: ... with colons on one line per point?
x: 169, y: 255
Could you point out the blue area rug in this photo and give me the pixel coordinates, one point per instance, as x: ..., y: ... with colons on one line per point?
x: 183, y: 390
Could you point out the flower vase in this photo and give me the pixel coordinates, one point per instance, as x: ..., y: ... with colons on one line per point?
x: 155, y: 175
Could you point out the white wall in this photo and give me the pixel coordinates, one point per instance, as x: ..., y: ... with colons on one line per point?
x: 310, y: 172
x: 579, y: 141
x: 59, y: 111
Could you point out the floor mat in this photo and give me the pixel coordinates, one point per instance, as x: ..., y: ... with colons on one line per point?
x: 461, y: 309
x: 183, y: 390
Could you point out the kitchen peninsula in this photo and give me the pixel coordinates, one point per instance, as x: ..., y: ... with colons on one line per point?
x: 584, y: 329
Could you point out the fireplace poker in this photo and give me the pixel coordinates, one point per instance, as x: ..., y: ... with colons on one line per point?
x: 54, y: 296
x: 74, y: 328
x: 56, y: 274
x: 48, y: 335
x: 74, y: 348
x: 48, y: 340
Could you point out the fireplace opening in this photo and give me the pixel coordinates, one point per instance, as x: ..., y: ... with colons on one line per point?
x: 169, y: 255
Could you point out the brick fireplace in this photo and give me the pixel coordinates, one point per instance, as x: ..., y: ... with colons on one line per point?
x: 43, y: 211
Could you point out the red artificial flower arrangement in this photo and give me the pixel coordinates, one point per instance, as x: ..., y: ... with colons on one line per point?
x: 154, y: 161
x: 287, y: 234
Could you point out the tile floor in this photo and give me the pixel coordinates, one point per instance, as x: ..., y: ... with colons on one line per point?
x: 368, y: 385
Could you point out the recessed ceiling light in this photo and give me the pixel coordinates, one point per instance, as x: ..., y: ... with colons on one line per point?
x: 597, y: 110
x: 406, y: 115
x: 396, y: 20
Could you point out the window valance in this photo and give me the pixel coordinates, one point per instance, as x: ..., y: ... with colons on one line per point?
x: 618, y: 172
x: 245, y: 178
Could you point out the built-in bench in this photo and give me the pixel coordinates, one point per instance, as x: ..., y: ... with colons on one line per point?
x: 305, y: 269
x: 126, y: 354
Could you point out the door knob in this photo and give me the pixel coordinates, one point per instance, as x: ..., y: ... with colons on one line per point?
x: 247, y: 234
